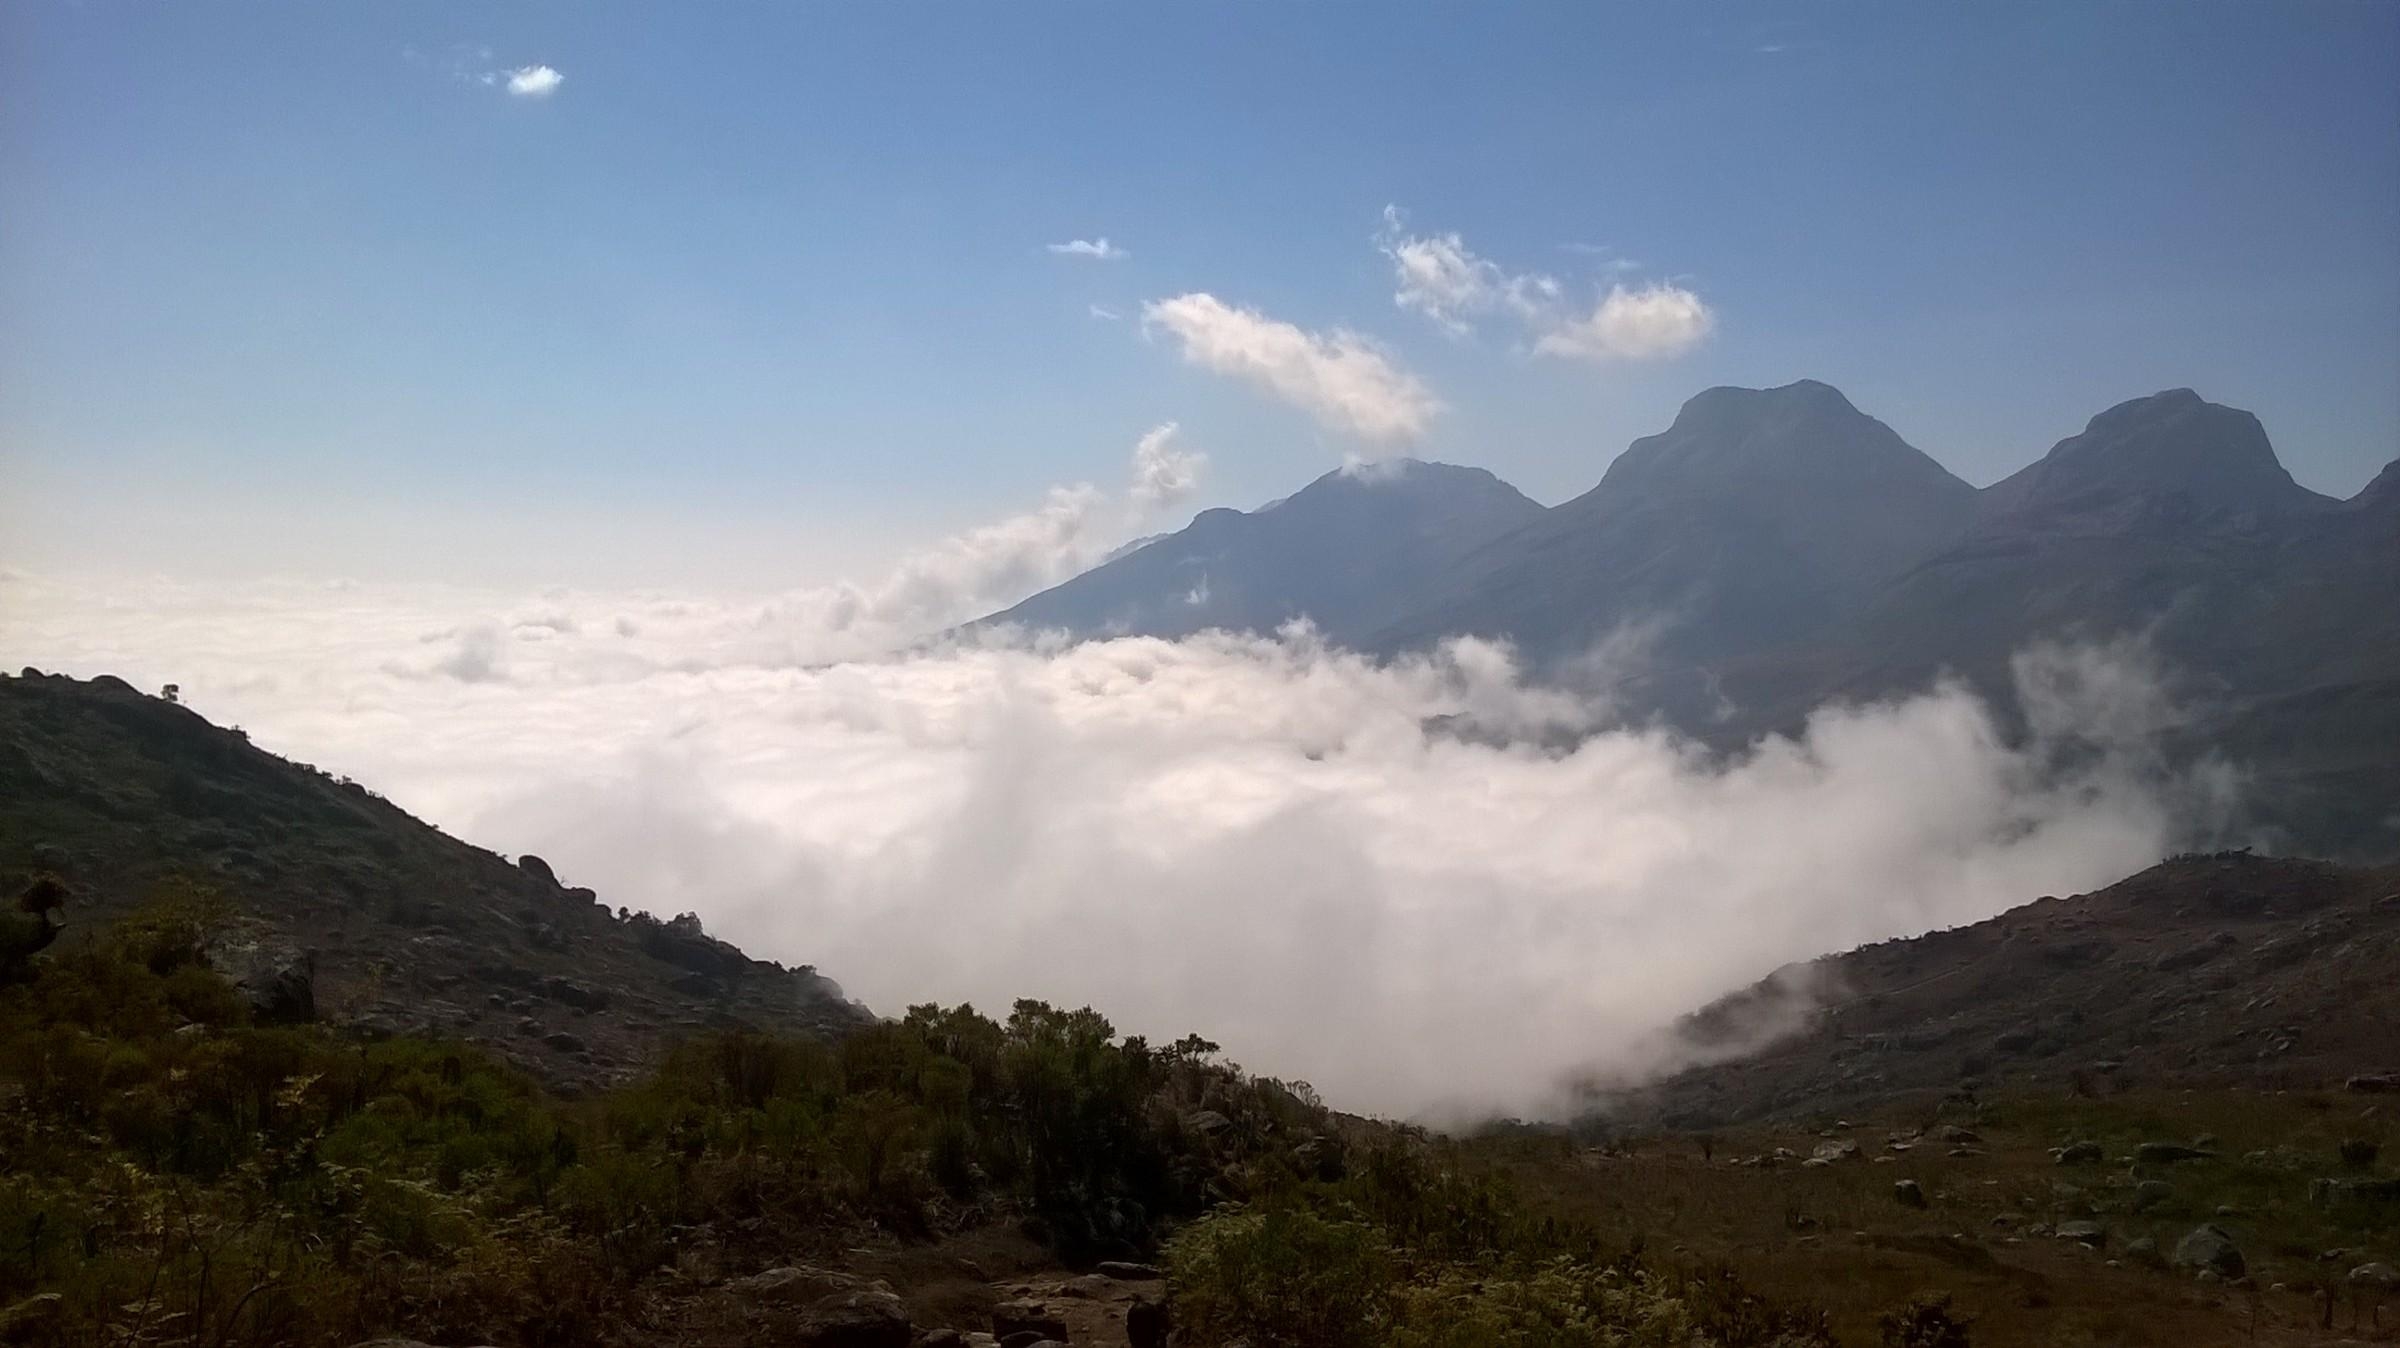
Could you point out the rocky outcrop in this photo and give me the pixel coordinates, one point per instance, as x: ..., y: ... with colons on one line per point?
x: 276, y: 976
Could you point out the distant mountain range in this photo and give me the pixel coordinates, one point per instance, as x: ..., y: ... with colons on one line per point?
x: 1777, y: 548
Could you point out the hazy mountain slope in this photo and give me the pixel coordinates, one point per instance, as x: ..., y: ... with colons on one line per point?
x: 1756, y: 519
x: 1350, y: 551
x: 410, y: 928
x: 2170, y: 456
x: 2168, y: 519
x: 2229, y: 969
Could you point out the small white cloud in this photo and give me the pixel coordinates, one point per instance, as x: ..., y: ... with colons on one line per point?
x: 1655, y: 321
x: 1099, y: 250
x: 1439, y: 277
x: 1163, y: 474
x: 1105, y: 314
x: 533, y: 81
x: 1340, y: 378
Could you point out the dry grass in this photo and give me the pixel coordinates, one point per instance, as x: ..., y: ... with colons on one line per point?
x: 1836, y: 1235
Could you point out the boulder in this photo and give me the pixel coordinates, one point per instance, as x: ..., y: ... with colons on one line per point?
x: 277, y: 977
x: 1207, y: 1123
x: 574, y: 994
x: 559, y: 1041
x: 2165, y: 1152
x: 2091, y: 1234
x: 2374, y: 1084
x: 2078, y: 1153
x: 2149, y: 1194
x: 1319, y: 1158
x: 1146, y: 1324
x: 2144, y: 1250
x: 794, y: 1285
x: 1123, y: 1271
x: 1909, y: 1194
x: 537, y: 868
x: 1841, y: 1150
x: 2210, y: 1249
x: 2380, y: 1277
x: 865, y: 1318
x: 34, y: 1319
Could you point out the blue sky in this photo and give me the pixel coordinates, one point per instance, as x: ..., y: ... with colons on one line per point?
x: 760, y: 291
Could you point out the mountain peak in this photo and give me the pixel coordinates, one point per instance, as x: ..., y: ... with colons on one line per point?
x: 1803, y: 437
x: 1730, y: 404
x: 2173, y: 451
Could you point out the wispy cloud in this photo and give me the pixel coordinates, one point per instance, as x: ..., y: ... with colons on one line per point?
x: 1104, y: 313
x: 1163, y: 474
x: 534, y: 81
x: 1338, y: 377
x: 1438, y: 276
x: 468, y: 63
x: 1649, y: 323
x: 1099, y: 250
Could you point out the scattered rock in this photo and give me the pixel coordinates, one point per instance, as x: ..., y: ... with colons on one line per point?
x: 1908, y: 1194
x: 1128, y: 1272
x: 2077, y: 1153
x: 562, y: 1042
x: 2144, y: 1250
x: 1961, y: 1137
x: 574, y: 994
x: 1842, y: 1150
x: 1207, y: 1123
x: 2090, y: 1234
x: 795, y: 1284
x: 2150, y: 1193
x: 2211, y: 1250
x: 1011, y: 1318
x: 865, y: 1318
x: 2374, y: 1084
x: 2381, y: 1277
x: 2170, y: 1151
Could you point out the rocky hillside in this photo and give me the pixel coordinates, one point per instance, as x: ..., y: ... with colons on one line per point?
x: 352, y: 905
x: 2228, y: 970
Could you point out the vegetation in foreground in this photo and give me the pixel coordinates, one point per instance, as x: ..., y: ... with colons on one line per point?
x: 179, y: 1173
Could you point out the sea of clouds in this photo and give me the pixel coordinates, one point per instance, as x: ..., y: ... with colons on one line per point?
x: 1428, y: 886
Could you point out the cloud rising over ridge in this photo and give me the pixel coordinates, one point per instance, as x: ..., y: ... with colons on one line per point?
x: 1391, y: 880
x: 1340, y: 378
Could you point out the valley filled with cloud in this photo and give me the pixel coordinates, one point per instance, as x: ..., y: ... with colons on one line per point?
x: 1428, y: 886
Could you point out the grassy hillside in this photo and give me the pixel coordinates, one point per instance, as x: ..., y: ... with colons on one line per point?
x: 392, y: 923
x: 178, y: 1173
